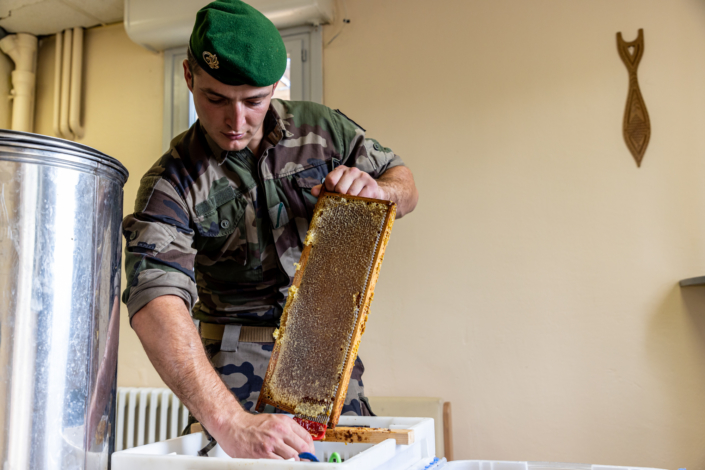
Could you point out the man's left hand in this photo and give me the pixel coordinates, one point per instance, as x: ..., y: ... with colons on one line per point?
x: 346, y: 180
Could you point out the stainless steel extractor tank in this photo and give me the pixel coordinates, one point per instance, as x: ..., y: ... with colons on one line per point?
x: 60, y: 252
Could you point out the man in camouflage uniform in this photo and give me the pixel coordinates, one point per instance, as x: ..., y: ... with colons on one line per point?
x: 220, y: 221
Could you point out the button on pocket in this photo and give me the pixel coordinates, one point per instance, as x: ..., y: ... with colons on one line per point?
x: 221, y: 213
x: 222, y: 233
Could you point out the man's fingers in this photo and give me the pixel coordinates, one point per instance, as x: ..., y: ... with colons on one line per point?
x: 352, y: 181
x: 356, y: 187
x: 344, y: 184
x: 285, y: 451
x: 303, y: 435
x: 306, y: 439
x: 349, y: 177
x: 344, y: 180
x: 297, y: 443
x: 334, y: 176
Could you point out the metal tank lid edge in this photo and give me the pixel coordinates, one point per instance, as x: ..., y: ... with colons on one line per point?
x: 19, y: 138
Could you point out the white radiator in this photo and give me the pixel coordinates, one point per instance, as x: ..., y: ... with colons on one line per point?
x: 147, y: 415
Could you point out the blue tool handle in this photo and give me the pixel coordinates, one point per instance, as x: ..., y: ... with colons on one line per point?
x: 308, y: 456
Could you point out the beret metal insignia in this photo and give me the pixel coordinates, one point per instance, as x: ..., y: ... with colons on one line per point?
x: 211, y: 60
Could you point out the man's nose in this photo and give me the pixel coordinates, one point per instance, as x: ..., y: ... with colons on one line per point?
x: 236, y: 117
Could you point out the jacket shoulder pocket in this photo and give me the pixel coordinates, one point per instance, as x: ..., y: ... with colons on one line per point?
x: 147, y: 237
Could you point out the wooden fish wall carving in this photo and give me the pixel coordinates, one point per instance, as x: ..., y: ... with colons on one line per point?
x: 636, y: 126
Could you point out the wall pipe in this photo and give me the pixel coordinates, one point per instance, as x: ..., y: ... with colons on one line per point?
x: 65, y: 86
x: 57, y: 83
x: 76, y: 72
x: 22, y: 49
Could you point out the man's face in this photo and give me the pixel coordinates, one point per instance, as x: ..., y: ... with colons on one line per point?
x: 232, y: 115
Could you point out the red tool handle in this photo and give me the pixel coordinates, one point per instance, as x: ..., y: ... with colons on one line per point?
x: 316, y: 430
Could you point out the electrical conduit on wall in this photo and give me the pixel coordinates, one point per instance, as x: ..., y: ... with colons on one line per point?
x: 67, y: 84
x: 22, y: 49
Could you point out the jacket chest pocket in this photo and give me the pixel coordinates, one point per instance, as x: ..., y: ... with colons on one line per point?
x: 308, y: 199
x: 307, y: 179
x: 220, y: 223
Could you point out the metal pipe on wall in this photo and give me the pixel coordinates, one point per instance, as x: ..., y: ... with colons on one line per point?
x: 76, y: 72
x: 68, y: 83
x: 22, y: 49
x: 65, y: 86
x: 57, y: 82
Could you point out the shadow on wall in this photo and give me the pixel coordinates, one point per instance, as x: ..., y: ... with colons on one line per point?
x: 675, y: 345
x: 693, y: 306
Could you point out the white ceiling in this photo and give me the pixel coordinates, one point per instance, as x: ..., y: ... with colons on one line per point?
x: 41, y: 17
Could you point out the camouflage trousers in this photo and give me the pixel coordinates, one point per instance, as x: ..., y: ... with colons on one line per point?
x: 243, y: 366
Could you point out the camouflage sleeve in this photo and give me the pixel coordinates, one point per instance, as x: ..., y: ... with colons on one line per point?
x: 360, y: 151
x: 159, y: 256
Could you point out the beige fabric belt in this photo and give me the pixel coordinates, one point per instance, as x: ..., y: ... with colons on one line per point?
x: 248, y: 334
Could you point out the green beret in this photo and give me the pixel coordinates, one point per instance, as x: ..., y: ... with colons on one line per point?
x: 238, y: 45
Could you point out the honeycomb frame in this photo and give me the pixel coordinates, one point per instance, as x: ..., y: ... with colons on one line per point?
x: 331, y: 415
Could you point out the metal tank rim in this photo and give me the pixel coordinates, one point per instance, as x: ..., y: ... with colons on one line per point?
x: 88, y: 157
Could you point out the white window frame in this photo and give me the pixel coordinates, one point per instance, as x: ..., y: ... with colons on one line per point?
x: 176, y: 101
x: 307, y: 43
x: 305, y: 47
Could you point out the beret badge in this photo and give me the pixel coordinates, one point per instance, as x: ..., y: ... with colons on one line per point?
x: 211, y: 60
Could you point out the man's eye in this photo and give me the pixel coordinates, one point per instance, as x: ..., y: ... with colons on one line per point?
x: 255, y: 103
x: 215, y: 100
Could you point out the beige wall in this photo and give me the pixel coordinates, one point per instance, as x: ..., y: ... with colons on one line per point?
x: 535, y: 286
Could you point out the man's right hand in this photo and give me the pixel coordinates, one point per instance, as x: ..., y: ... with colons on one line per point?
x: 172, y: 343
x: 263, y: 436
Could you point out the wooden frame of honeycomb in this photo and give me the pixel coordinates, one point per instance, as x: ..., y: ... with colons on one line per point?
x: 327, y: 307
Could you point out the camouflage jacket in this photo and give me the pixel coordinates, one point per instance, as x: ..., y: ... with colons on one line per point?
x: 222, y: 230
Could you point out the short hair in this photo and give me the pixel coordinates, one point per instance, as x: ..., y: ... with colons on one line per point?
x: 193, y: 65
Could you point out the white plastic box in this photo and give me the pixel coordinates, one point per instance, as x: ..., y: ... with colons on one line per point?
x: 386, y: 455
x: 508, y: 465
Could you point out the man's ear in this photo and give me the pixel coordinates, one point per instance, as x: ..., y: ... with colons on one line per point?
x: 188, y: 76
x: 274, y: 87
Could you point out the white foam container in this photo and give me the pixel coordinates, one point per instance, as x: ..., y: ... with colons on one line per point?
x: 508, y: 465
x: 386, y: 455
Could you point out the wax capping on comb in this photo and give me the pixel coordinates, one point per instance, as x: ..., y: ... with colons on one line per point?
x: 326, y: 310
